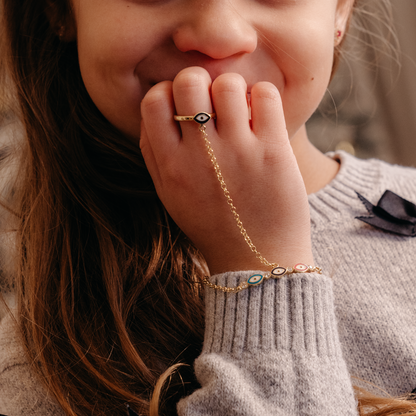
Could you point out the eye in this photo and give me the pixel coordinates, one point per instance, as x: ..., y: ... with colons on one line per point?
x: 278, y: 271
x: 300, y: 268
x: 202, y: 118
x: 255, y: 279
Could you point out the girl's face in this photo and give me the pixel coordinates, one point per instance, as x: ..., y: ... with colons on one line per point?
x: 127, y: 46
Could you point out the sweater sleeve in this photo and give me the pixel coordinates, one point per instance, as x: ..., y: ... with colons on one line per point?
x: 271, y: 350
x: 21, y: 393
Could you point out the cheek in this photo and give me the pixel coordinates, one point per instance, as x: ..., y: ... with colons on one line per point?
x: 307, y: 70
x: 109, y: 53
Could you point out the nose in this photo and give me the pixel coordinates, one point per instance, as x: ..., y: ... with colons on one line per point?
x: 215, y: 28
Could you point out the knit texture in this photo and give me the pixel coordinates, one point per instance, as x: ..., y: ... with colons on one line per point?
x: 271, y: 350
x: 276, y: 350
x: 21, y: 392
x: 290, y: 346
x: 373, y: 273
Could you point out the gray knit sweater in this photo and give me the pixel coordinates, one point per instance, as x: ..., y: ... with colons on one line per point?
x: 290, y: 346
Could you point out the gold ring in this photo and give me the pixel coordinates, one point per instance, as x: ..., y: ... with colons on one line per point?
x: 200, y: 118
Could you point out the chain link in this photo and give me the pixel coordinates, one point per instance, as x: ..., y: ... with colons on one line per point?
x: 247, y: 239
x: 225, y: 289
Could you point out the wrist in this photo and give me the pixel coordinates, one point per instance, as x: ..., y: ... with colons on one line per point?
x: 248, y: 261
x: 255, y: 278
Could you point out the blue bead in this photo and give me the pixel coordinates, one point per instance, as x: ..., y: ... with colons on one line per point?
x: 256, y: 279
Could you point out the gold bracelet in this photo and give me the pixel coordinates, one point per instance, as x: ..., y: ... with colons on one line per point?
x: 254, y: 280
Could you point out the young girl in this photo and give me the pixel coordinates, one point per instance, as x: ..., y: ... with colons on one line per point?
x: 120, y: 208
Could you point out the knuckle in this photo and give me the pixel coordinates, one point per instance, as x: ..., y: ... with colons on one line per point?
x: 154, y: 101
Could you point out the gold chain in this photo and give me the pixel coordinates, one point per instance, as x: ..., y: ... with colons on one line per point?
x: 277, y: 271
x: 230, y: 202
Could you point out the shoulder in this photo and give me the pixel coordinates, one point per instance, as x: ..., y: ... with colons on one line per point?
x: 21, y: 391
x: 338, y: 202
x: 378, y: 176
x: 399, y: 179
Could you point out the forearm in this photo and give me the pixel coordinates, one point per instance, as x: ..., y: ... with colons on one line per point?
x: 271, y: 350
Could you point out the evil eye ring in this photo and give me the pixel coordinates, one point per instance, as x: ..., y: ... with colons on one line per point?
x: 200, y: 118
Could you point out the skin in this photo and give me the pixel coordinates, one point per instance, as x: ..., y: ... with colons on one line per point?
x: 142, y: 61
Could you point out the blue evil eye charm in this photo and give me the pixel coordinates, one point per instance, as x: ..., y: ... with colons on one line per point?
x: 255, y: 280
x: 278, y: 271
x: 300, y: 268
x: 202, y: 118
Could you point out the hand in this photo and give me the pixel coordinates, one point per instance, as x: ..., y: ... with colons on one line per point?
x: 256, y: 161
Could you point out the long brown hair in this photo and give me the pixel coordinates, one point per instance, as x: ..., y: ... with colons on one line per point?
x: 106, y: 281
x: 108, y: 286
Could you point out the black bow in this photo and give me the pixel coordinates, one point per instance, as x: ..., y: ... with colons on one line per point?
x: 392, y: 213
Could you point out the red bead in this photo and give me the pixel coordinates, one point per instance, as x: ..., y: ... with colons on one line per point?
x: 300, y: 268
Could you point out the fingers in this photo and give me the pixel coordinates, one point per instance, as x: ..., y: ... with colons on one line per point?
x: 229, y: 93
x: 267, y: 117
x: 148, y: 154
x: 161, y: 136
x: 157, y: 109
x: 190, y: 93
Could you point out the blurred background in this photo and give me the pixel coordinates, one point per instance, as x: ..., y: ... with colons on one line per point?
x: 370, y: 107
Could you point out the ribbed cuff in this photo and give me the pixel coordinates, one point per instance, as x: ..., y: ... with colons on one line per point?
x: 293, y: 313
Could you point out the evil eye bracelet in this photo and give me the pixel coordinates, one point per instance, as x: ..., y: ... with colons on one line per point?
x: 256, y: 279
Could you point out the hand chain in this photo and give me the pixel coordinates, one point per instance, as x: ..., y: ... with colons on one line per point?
x: 277, y: 271
x: 247, y: 239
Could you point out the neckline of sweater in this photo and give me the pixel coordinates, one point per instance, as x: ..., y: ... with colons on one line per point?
x: 338, y: 199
